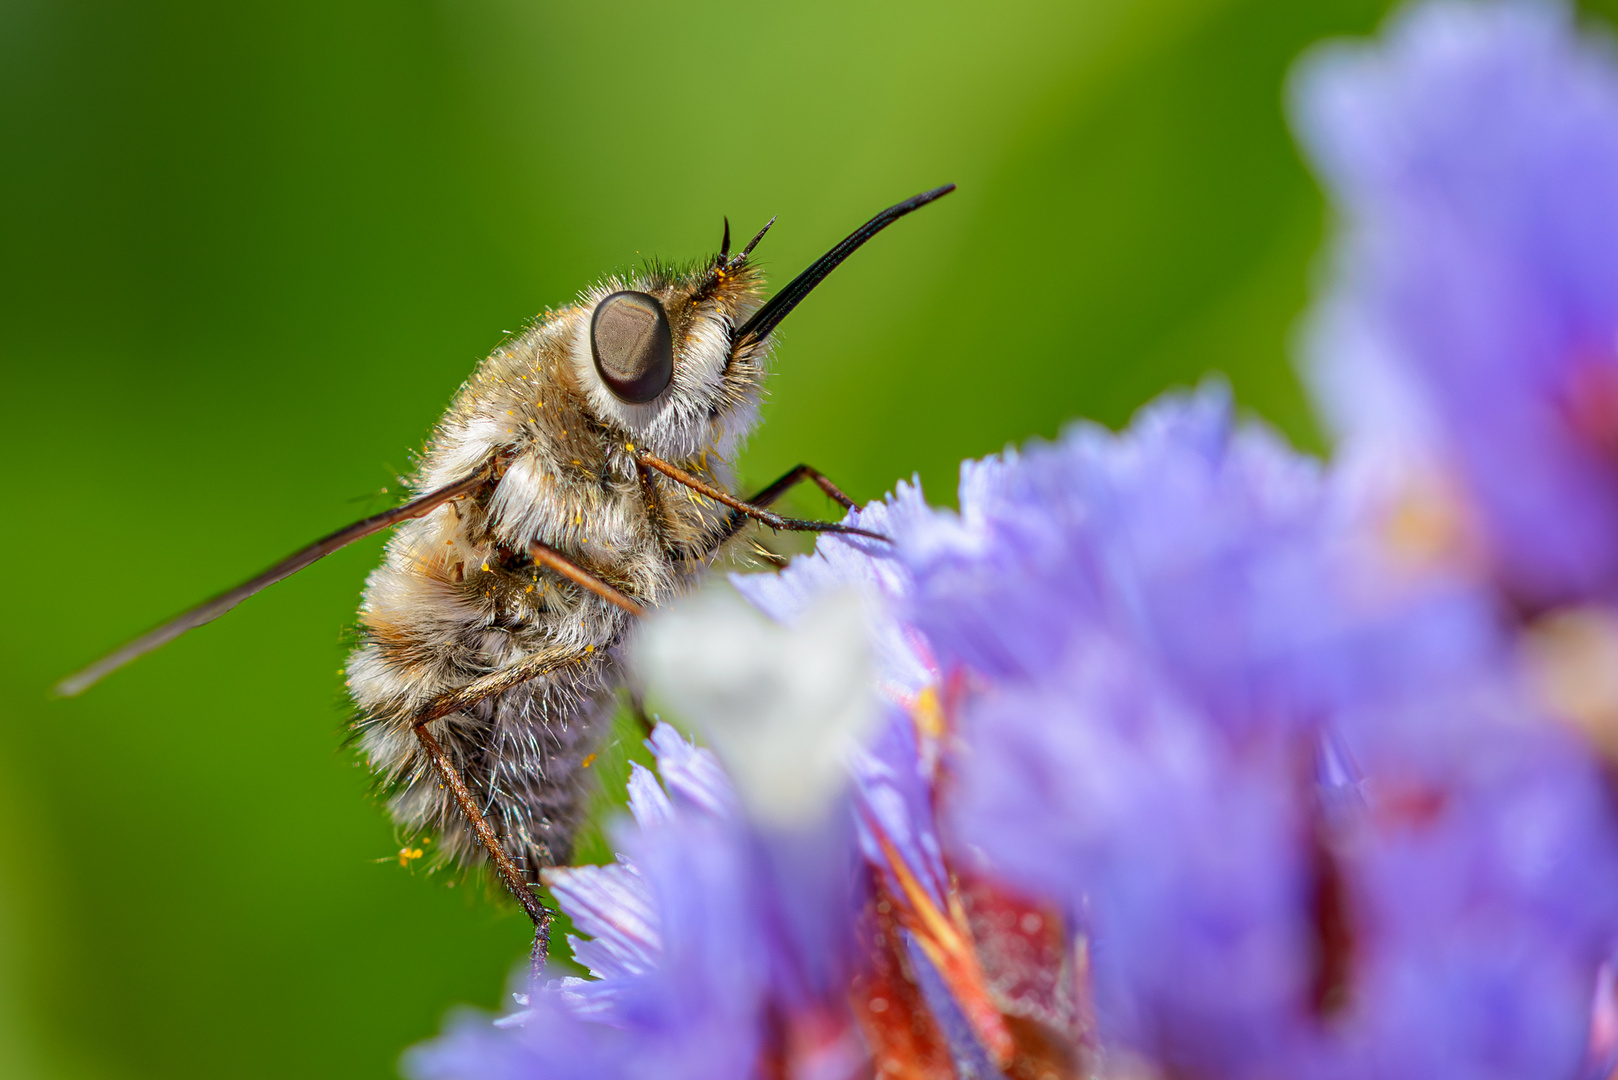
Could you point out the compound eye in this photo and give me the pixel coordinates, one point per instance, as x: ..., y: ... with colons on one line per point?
x: 633, y: 346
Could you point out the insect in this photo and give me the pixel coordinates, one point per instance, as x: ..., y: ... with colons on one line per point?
x: 580, y: 477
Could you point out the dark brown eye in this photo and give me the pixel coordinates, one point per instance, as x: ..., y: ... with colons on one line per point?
x: 632, y: 345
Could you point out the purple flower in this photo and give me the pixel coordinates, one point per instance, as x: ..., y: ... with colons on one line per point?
x: 894, y: 774
x: 1481, y: 909
x: 1284, y: 792
x: 1471, y: 322
x: 903, y: 659
x: 1131, y: 604
x: 1470, y: 334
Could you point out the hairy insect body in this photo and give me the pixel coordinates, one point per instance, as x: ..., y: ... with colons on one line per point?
x: 458, y: 596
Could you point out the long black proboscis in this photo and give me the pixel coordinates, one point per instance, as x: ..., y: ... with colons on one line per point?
x: 209, y: 610
x: 781, y: 304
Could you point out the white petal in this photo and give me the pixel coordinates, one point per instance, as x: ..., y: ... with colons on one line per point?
x: 781, y: 705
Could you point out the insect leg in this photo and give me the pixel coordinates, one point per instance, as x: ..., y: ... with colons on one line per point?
x: 509, y: 874
x: 788, y: 480
x: 466, y: 697
x: 773, y: 520
x: 496, y: 682
x: 487, y: 686
x: 797, y: 475
x: 547, y: 556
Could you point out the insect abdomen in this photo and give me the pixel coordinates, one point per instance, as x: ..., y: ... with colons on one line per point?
x: 521, y: 751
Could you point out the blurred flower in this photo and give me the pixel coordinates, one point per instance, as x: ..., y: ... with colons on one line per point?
x: 1468, y: 344
x: 1472, y: 316
x: 783, y: 706
x: 1294, y: 812
x: 1572, y: 658
x: 1083, y: 582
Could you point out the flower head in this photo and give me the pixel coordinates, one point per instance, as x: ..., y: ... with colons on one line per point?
x: 1472, y: 317
x: 1209, y: 727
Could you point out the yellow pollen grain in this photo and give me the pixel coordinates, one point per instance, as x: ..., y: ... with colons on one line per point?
x: 485, y: 565
x: 588, y: 761
x: 406, y: 854
x: 589, y: 648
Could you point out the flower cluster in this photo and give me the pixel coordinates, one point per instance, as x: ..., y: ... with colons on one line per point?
x: 1173, y: 752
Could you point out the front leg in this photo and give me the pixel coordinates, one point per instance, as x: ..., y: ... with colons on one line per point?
x: 758, y: 513
x: 787, y: 481
x: 797, y: 475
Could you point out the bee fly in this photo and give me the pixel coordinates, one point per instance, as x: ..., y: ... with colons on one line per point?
x: 580, y: 477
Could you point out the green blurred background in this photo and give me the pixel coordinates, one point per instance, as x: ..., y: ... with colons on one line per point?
x: 250, y: 250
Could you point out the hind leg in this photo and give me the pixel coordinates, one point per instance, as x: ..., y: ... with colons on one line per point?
x: 509, y: 874
x: 466, y: 697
